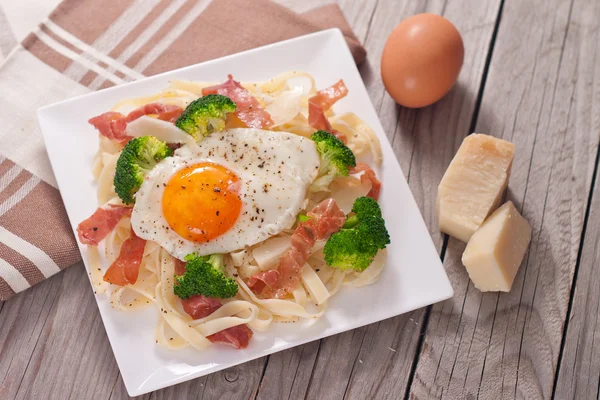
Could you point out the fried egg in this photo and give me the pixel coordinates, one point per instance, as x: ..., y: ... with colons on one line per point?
x: 235, y: 189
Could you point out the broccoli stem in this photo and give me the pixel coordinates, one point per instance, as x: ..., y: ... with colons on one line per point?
x: 303, y: 218
x: 351, y: 222
x: 217, y: 261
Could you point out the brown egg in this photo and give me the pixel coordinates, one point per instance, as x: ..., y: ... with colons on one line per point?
x: 421, y: 60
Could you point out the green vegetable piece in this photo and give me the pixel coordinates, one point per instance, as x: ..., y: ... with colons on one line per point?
x: 359, y: 240
x: 205, y: 275
x: 205, y: 115
x: 303, y: 218
x: 138, y: 157
x: 336, y: 159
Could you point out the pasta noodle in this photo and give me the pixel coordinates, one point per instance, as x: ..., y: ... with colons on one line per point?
x: 286, y: 98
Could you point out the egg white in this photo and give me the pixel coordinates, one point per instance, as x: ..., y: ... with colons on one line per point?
x: 274, y: 168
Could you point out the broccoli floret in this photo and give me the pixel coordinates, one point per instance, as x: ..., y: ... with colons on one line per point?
x: 205, y: 115
x: 359, y: 240
x: 336, y: 159
x: 204, y: 275
x: 138, y: 157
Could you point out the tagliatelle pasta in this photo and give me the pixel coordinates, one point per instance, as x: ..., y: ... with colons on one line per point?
x: 286, y: 98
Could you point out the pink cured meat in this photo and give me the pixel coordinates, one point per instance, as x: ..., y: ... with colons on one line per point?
x: 165, y: 112
x: 368, y: 176
x: 249, y: 110
x: 262, y: 280
x: 200, y: 306
x: 112, y: 125
x: 321, y: 102
x: 327, y: 97
x: 325, y: 219
x: 126, y: 268
x: 94, y: 229
x: 237, y: 336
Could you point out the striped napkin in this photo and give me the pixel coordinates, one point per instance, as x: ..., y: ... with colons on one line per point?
x: 86, y: 45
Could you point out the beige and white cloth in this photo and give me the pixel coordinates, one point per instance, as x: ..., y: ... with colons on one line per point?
x: 86, y: 45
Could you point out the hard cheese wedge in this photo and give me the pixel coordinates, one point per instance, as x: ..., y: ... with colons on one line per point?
x: 473, y: 184
x: 494, y: 253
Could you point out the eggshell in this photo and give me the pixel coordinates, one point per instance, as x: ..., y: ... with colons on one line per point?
x: 421, y: 60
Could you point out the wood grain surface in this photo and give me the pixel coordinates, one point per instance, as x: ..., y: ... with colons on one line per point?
x: 487, y: 345
x: 579, y: 373
x: 531, y: 75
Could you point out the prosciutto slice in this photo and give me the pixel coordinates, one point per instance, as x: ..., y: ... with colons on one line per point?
x: 200, y: 306
x: 327, y: 97
x: 368, y: 175
x: 94, y: 229
x: 325, y: 219
x: 112, y: 124
x: 237, y: 336
x: 264, y: 281
x: 321, y: 102
x: 165, y: 112
x: 248, y: 109
x: 125, y: 269
x: 108, y: 125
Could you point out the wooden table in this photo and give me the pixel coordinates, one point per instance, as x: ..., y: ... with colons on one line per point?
x: 532, y: 76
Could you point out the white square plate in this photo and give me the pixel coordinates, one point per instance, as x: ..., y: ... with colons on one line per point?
x: 413, y: 276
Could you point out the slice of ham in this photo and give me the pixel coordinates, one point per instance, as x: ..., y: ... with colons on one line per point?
x: 317, y: 118
x: 94, y: 229
x: 125, y: 269
x: 327, y: 97
x: 248, y: 109
x: 321, y: 102
x: 368, y: 175
x: 263, y: 280
x: 179, y: 267
x: 166, y: 112
x: 200, y: 306
x: 237, y: 336
x: 325, y: 219
x: 112, y: 125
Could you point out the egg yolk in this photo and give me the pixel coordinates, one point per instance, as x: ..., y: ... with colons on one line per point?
x: 201, y: 202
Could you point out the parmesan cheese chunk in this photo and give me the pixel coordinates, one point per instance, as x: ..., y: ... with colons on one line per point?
x: 473, y: 184
x: 496, y: 250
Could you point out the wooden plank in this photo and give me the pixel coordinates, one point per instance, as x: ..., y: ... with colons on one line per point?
x: 536, y: 95
x: 239, y: 382
x: 288, y: 371
x: 579, y: 370
x: 375, y: 362
x: 71, y: 353
x: 22, y: 321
